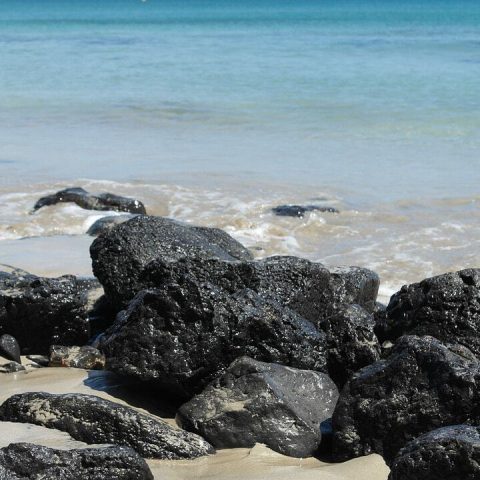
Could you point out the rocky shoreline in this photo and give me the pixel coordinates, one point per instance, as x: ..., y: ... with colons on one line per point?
x: 280, y: 351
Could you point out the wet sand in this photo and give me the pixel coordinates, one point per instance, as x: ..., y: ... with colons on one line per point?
x: 258, y: 463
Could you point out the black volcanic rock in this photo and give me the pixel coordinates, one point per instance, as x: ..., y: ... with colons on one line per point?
x: 180, y: 337
x: 300, y: 210
x: 120, y: 255
x: 86, y: 357
x: 105, y: 224
x: 90, y: 201
x: 446, y: 307
x: 422, y: 385
x: 25, y: 461
x: 351, y: 342
x: 449, y: 453
x: 92, y: 419
x: 12, y: 367
x: 9, y: 348
x: 257, y: 402
x: 40, y: 312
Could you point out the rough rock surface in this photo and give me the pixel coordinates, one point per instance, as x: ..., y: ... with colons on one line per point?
x: 94, y: 420
x: 90, y: 201
x: 9, y: 348
x: 181, y: 336
x: 309, y: 288
x: 76, y: 357
x: 25, y: 461
x: 120, y: 255
x: 420, y: 386
x: 300, y: 210
x: 104, y: 224
x: 351, y: 342
x: 257, y: 402
x: 40, y: 312
x: 449, y: 453
x: 446, y: 307
x: 11, y: 367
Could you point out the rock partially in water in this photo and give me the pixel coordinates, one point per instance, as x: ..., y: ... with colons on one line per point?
x: 85, y: 357
x: 180, y: 337
x: 9, y: 348
x: 40, y: 312
x: 105, y: 224
x: 26, y: 461
x: 451, y: 453
x: 299, y: 211
x: 91, y: 419
x: 446, y: 307
x: 351, y: 342
x: 11, y: 367
x: 420, y: 386
x: 256, y: 402
x: 120, y: 255
x: 90, y: 201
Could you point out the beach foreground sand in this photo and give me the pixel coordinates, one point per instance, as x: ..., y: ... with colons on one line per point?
x: 257, y: 463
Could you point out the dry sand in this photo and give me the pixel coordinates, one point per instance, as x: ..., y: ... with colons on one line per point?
x: 258, y: 463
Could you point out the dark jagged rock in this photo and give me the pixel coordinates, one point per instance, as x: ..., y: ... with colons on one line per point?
x: 25, y: 461
x: 9, y: 348
x: 446, y: 307
x: 422, y: 385
x: 91, y: 419
x: 309, y: 288
x: 257, y: 402
x: 120, y: 255
x: 450, y: 453
x: 85, y: 357
x: 40, y: 360
x: 40, y: 312
x: 351, y: 343
x: 180, y: 337
x: 11, y: 367
x: 105, y: 224
x: 90, y: 201
x: 299, y: 211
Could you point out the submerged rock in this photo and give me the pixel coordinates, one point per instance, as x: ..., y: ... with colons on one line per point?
x: 351, y: 342
x: 9, y: 348
x: 25, y: 461
x: 451, y: 453
x: 300, y: 210
x: 420, y: 386
x: 257, y: 402
x: 11, y: 367
x: 90, y: 201
x: 180, y: 337
x: 91, y: 419
x: 105, y: 224
x: 40, y: 312
x: 446, y: 307
x: 120, y: 255
x: 76, y: 357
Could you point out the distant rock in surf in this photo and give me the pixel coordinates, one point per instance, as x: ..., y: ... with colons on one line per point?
x: 447, y: 453
x: 106, y: 223
x: 26, y: 461
x: 299, y: 211
x: 89, y: 201
x: 256, y: 402
x: 92, y: 420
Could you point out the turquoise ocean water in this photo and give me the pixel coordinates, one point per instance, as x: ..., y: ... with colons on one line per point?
x: 215, y: 111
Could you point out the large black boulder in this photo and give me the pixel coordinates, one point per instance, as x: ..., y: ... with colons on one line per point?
x: 179, y: 337
x: 120, y: 255
x: 90, y: 201
x: 351, y: 342
x: 92, y: 419
x: 257, y: 402
x: 446, y: 307
x: 422, y: 385
x: 40, y: 312
x: 449, y: 453
x: 105, y: 224
x: 26, y: 461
